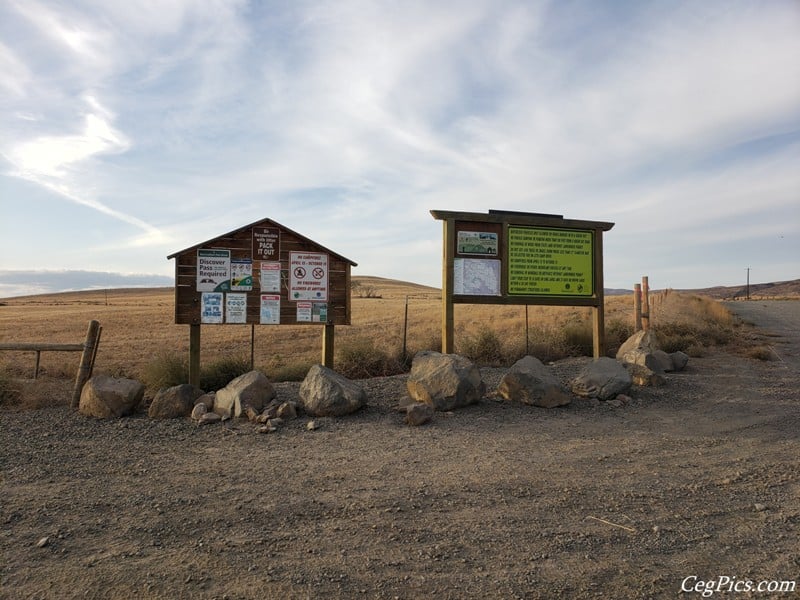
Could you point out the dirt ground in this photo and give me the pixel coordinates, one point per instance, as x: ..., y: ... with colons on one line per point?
x: 699, y: 478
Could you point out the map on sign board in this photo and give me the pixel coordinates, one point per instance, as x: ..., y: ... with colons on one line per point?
x: 308, y: 276
x: 476, y: 277
x: 546, y: 261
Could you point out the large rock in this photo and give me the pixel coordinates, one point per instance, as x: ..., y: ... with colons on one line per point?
x: 530, y: 382
x: 418, y: 413
x: 445, y: 381
x: 603, y: 378
x: 641, y: 340
x: 325, y: 393
x: 679, y: 360
x: 174, y: 402
x: 644, y: 377
x: 109, y: 397
x: 251, y: 389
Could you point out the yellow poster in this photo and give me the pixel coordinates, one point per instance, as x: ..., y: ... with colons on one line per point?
x: 545, y: 261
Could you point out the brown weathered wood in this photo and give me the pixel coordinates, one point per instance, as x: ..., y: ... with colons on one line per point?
x: 37, y: 347
x: 645, y: 303
x: 598, y: 311
x: 328, y: 343
x: 637, y: 307
x: 194, y: 355
x: 448, y: 314
x: 85, y: 367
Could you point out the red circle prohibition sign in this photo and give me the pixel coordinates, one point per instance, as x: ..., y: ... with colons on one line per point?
x: 299, y: 272
x: 318, y: 273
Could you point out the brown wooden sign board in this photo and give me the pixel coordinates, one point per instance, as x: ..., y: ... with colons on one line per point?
x: 275, y: 276
x: 521, y: 258
x: 263, y: 273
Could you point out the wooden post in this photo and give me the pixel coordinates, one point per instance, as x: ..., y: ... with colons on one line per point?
x: 405, y: 332
x: 645, y: 303
x: 598, y: 311
x: 637, y: 307
x: 194, y: 354
x: 252, y: 345
x: 94, y: 353
x: 36, y: 368
x: 448, y: 315
x: 527, y: 343
x: 328, y: 345
x: 85, y: 367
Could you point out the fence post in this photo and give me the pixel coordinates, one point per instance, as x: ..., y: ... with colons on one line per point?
x: 87, y: 361
x: 328, y: 336
x: 637, y: 307
x: 645, y: 303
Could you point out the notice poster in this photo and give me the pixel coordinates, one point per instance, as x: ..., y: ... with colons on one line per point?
x: 271, y: 277
x: 477, y: 242
x: 236, y: 308
x: 476, y: 277
x: 304, y: 310
x: 319, y: 312
x: 241, y: 275
x: 211, y: 307
x: 270, y: 309
x: 213, y: 270
x: 308, y: 276
x: 550, y: 262
x: 266, y: 243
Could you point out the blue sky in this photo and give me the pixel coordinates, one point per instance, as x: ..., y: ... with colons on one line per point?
x: 131, y: 130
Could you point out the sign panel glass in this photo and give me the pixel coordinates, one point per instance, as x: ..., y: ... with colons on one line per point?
x: 545, y: 261
x: 308, y: 276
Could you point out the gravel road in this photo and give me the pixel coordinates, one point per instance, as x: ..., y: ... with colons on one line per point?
x: 779, y: 322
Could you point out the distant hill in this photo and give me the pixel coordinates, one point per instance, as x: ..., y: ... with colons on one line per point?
x: 779, y: 289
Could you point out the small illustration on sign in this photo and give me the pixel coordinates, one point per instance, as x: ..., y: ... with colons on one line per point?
x: 299, y: 272
x: 318, y: 273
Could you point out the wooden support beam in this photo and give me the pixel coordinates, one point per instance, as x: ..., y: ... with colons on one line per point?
x: 448, y: 316
x: 194, y: 355
x: 85, y: 367
x: 328, y: 340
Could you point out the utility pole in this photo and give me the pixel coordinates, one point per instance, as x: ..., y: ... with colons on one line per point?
x: 748, y: 284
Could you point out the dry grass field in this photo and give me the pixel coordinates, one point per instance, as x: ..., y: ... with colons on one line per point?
x: 138, y: 330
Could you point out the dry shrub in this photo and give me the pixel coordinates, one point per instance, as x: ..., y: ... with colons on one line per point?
x: 165, y: 370
x: 761, y: 352
x: 484, y: 347
x: 296, y: 371
x: 219, y: 373
x: 359, y: 358
x: 10, y: 392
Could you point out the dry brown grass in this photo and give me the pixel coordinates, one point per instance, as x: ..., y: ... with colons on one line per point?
x: 138, y: 328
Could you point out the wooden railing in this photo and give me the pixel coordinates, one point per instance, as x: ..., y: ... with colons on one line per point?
x: 88, y: 348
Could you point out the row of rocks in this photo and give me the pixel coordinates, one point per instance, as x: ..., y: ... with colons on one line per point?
x: 437, y: 382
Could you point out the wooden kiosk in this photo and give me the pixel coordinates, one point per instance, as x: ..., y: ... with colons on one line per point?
x: 505, y: 257
x: 260, y: 274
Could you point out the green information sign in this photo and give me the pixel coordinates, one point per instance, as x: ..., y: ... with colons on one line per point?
x: 544, y: 261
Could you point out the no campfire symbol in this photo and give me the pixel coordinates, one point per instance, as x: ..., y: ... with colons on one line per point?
x: 309, y: 276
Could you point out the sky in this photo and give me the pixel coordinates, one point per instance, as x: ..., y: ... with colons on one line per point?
x: 130, y: 130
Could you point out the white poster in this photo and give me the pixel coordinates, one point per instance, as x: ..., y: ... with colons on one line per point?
x: 236, y: 308
x: 271, y: 277
x: 211, y: 307
x: 308, y: 276
x: 270, y: 309
x: 304, y: 312
x: 476, y: 277
x: 213, y: 270
x: 242, y: 275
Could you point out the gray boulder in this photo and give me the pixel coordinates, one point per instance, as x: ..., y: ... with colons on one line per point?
x: 603, y: 378
x: 106, y: 397
x: 418, y: 413
x: 679, y: 360
x: 530, y: 382
x: 174, y: 402
x: 445, y: 381
x: 252, y: 389
x: 326, y: 393
x: 644, y: 377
